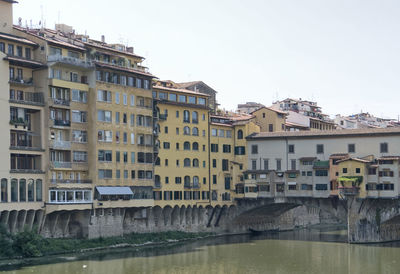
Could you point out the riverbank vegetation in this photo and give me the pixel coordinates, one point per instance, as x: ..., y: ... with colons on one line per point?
x: 28, y: 243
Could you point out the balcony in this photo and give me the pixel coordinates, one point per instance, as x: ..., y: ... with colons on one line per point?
x: 67, y: 181
x: 28, y: 98
x: 61, y: 123
x: 162, y: 117
x: 21, y: 82
x: 20, y: 122
x: 71, y: 61
x: 61, y: 102
x: 56, y: 144
x: 349, y: 191
x: 25, y: 141
x: 56, y: 164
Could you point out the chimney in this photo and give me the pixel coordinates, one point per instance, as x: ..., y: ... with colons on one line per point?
x: 103, y: 39
x: 129, y: 49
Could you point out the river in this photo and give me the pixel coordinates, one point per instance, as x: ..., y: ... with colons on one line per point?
x: 302, y: 251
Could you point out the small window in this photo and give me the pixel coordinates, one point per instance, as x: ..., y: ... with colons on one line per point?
x: 240, y: 134
x: 344, y: 170
x: 320, y: 148
x: 254, y: 149
x: 351, y: 148
x: 291, y: 148
x: 384, y: 147
x: 358, y: 170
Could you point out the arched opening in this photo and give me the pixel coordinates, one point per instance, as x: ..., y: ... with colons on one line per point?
x: 195, y: 117
x: 186, y: 130
x: 186, y: 116
x: 195, y: 131
x: 186, y: 146
x: 22, y: 190
x: 4, y: 190
x: 39, y: 190
x: 195, y: 146
x: 240, y: 134
x: 195, y: 162
x: 186, y: 162
x: 31, y: 190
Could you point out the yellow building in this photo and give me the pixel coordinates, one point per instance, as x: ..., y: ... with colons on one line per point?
x: 352, y: 175
x: 270, y: 120
x: 181, y: 170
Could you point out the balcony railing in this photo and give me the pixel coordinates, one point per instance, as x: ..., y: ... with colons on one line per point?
x: 349, y: 191
x: 63, y: 123
x: 70, y: 61
x: 67, y: 181
x: 60, y: 144
x: 56, y: 164
x: 61, y: 102
x: 29, y: 98
x: 21, y: 81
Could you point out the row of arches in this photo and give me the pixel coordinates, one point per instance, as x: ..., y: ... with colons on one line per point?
x: 186, y: 116
x: 186, y: 131
x: 21, y: 190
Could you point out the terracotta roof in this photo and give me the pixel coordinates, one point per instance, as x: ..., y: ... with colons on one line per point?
x: 24, y: 61
x: 295, y: 125
x: 181, y: 90
x: 221, y: 124
x: 325, y: 133
x: 339, y: 155
x: 272, y: 109
x: 354, y: 159
x: 395, y: 158
x: 189, y: 84
x: 17, y: 39
x: 110, y: 66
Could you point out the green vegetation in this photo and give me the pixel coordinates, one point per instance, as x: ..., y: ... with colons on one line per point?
x: 30, y: 244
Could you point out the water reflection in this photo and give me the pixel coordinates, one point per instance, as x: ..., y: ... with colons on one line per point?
x: 302, y: 251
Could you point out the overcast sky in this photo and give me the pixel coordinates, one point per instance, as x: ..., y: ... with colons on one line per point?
x: 344, y: 54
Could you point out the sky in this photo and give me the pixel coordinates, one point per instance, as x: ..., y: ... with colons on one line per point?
x: 344, y: 54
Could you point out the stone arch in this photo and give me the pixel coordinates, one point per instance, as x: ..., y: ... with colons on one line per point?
x: 188, y: 214
x: 175, y: 216
x: 195, y: 215
x: 166, y: 213
x: 201, y: 215
x: 157, y: 211
x: 182, y: 214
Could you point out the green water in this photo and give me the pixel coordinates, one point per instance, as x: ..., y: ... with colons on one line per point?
x: 305, y: 251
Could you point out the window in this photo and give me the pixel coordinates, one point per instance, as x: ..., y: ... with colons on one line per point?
x: 79, y: 96
x: 240, y: 134
x: 4, y: 190
x: 195, y: 131
x: 186, y: 162
x: 228, y: 134
x: 104, y: 135
x: 104, y: 96
x: 278, y: 164
x: 138, y: 83
x: 162, y: 95
x: 191, y: 100
x: 166, y: 145
x: 270, y: 127
x: 225, y: 165
x: 214, y: 163
x: 186, y: 130
x: 178, y: 180
x: 125, y: 156
x: 104, y: 156
x: 125, y: 99
x: 10, y: 49
x: 214, y: 178
x: 221, y: 133
x: 177, y: 131
x: 117, y: 98
x: 254, y: 149
x: 320, y: 148
x: 253, y: 164
x: 195, y: 163
x: 177, y: 146
x: 291, y: 148
x: 105, y: 173
x: 266, y: 164
x: 80, y: 156
x: 132, y: 157
x: 117, y: 136
x: 371, y: 171
x: 186, y: 146
x: 351, y: 148
x: 166, y: 162
x: 240, y: 150
x: 2, y: 47
x: 226, y: 148
x: 344, y: 170
x: 214, y: 147
x: 118, y: 174
x: 195, y: 117
x: 321, y: 187
x: 195, y: 146
x: 182, y: 99
x: 186, y: 116
x: 358, y: 170
x: 79, y: 116
x: 322, y: 172
x: 293, y: 164
x: 79, y: 136
x: 172, y: 97
x: 214, y: 132
x: 384, y: 147
x: 104, y: 116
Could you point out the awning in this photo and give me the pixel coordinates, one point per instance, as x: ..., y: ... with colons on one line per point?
x: 114, y: 190
x: 291, y: 183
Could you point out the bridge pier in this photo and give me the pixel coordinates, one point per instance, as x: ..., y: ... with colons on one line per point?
x: 373, y: 220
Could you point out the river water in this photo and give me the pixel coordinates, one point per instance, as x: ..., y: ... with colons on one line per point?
x: 302, y: 251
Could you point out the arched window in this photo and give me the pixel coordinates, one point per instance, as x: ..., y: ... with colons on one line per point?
x: 187, y: 181
x: 195, y: 131
x: 157, y: 180
x: 186, y: 146
x: 195, y: 117
x: 196, y: 182
x: 186, y: 116
x: 195, y: 146
x: 4, y: 190
x: 22, y: 190
x: 240, y: 134
x: 39, y: 193
x: 31, y: 190
x: 186, y: 162
x: 14, y: 190
x: 186, y: 130
x: 195, y: 162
